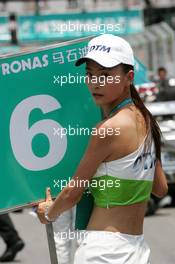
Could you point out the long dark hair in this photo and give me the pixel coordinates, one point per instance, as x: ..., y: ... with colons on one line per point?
x: 151, y: 123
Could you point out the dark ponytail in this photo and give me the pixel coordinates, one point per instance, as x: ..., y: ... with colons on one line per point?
x: 151, y: 123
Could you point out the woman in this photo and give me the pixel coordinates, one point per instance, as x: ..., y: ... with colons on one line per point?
x: 128, y: 162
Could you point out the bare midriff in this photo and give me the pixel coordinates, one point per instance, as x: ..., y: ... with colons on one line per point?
x: 126, y: 219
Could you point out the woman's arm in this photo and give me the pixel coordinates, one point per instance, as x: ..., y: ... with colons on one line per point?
x: 98, y: 149
x: 160, y: 187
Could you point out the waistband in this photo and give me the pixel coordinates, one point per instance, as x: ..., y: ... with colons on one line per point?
x: 88, y: 235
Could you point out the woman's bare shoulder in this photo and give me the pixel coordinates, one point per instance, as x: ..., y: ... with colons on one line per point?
x: 129, y: 126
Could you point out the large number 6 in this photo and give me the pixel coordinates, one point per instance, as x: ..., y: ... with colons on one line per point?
x: 21, y: 135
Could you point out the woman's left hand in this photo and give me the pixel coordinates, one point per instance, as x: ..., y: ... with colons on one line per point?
x: 42, y: 207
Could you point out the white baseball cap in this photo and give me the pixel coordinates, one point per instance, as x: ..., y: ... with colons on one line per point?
x: 108, y: 50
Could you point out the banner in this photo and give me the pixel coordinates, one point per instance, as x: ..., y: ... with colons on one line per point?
x: 9, y: 49
x: 4, y: 29
x: 76, y: 25
x: 41, y: 116
x: 141, y: 73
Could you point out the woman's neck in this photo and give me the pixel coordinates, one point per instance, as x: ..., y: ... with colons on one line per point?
x: 108, y: 107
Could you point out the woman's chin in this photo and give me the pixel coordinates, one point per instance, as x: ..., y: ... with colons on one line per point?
x: 99, y: 101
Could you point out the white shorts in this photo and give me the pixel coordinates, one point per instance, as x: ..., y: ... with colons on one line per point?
x: 97, y: 247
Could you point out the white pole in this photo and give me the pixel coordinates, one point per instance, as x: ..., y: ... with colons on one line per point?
x: 51, y: 243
